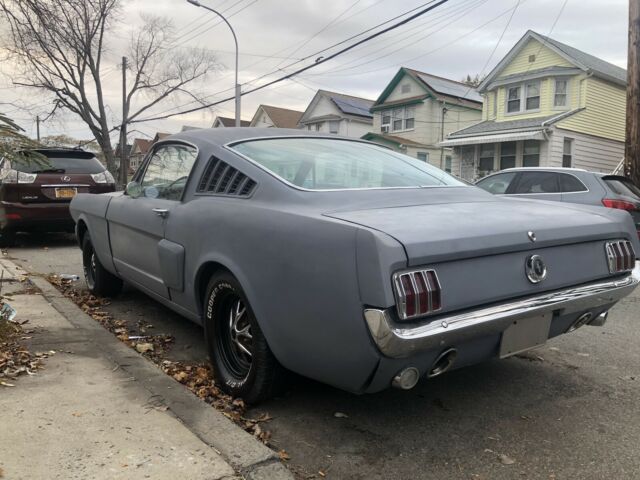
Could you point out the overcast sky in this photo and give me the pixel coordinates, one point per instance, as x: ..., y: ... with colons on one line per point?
x: 453, y: 40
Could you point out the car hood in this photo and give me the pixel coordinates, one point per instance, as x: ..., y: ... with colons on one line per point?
x: 464, y: 228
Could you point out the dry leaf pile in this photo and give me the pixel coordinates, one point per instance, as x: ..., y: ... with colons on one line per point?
x: 196, y: 377
x: 15, y: 359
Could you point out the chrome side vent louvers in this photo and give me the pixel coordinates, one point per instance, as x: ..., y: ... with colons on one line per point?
x: 221, y: 178
x: 620, y: 256
x: 417, y: 293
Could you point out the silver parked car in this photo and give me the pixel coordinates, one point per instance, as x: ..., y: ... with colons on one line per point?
x: 569, y: 185
x: 345, y: 261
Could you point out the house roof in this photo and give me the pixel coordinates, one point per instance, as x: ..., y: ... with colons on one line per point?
x: 281, y: 117
x: 440, y: 87
x: 348, y: 105
x: 231, y: 122
x: 392, y: 139
x: 491, y: 126
x: 141, y: 145
x: 580, y: 59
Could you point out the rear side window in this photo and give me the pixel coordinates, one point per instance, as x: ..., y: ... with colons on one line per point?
x: 57, y: 162
x: 569, y: 184
x: 622, y: 186
x: 497, y: 184
x: 537, y: 182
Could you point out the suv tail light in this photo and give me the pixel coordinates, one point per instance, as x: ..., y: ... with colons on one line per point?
x: 417, y: 293
x: 619, y: 204
x: 103, y: 177
x: 620, y: 256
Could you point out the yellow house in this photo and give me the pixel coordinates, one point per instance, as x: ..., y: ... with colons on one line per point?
x: 545, y: 104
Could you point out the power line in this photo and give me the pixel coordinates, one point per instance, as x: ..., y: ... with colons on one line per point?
x: 318, y: 62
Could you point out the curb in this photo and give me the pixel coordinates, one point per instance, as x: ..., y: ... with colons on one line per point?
x: 241, y: 450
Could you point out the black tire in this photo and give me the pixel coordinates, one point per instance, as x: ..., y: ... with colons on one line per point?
x: 244, y: 365
x: 99, y: 280
x: 7, y: 238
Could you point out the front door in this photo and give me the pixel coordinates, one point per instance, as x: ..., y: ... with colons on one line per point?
x: 136, y: 225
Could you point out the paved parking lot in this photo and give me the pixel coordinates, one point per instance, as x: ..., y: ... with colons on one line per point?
x: 567, y: 410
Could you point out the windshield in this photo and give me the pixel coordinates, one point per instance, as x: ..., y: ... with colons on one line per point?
x: 328, y: 164
x: 56, y: 162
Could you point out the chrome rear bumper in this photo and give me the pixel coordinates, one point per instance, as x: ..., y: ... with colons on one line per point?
x: 398, y: 341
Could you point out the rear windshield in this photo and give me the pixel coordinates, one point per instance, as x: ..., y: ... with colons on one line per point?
x: 56, y: 162
x: 328, y: 164
x: 623, y: 186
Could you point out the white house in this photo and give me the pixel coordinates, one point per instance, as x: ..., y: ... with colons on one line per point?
x: 417, y: 110
x: 268, y: 116
x: 332, y: 112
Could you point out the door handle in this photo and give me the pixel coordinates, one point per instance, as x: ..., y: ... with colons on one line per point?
x: 161, y: 212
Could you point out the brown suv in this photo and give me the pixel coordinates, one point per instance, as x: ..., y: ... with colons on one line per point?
x: 37, y: 186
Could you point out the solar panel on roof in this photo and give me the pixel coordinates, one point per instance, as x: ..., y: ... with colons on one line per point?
x: 354, y: 106
x: 455, y: 89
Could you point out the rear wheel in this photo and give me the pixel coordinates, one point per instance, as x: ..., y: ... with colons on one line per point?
x: 242, y: 360
x: 99, y: 280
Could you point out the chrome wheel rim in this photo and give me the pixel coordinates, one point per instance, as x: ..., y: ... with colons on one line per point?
x: 90, y: 270
x: 236, y: 337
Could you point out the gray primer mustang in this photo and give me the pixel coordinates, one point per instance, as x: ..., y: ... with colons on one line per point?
x: 346, y: 262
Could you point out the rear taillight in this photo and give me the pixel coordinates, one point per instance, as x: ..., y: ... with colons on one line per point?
x: 14, y: 176
x: 619, y: 204
x: 620, y: 256
x: 417, y: 293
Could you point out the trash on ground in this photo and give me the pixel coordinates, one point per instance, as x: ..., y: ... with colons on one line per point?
x: 505, y: 459
x: 70, y: 277
x: 340, y: 415
x: 7, y: 312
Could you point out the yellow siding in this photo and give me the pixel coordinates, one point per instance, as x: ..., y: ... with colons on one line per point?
x: 545, y: 57
x: 605, y: 112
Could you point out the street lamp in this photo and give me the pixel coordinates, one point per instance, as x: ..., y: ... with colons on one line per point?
x: 237, y: 88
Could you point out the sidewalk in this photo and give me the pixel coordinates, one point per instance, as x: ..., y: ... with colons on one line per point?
x: 98, y: 410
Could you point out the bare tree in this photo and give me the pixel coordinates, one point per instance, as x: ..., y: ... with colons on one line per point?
x: 58, y: 46
x: 474, y: 81
x: 12, y: 138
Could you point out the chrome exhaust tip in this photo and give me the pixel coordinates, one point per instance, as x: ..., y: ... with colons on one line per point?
x: 406, y: 379
x: 580, y: 322
x: 443, y: 362
x: 600, y: 320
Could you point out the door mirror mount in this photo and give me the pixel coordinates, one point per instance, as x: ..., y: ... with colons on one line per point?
x: 134, y: 189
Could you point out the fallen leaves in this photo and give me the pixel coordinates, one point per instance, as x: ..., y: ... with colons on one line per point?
x: 144, y: 347
x: 15, y: 359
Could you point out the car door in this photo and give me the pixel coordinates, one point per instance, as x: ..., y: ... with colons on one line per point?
x: 541, y: 185
x: 137, y: 224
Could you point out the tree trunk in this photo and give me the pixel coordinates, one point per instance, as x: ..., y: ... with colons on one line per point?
x: 632, y: 144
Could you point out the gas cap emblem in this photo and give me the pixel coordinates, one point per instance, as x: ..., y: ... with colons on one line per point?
x: 66, y: 178
x: 532, y: 236
x: 535, y: 269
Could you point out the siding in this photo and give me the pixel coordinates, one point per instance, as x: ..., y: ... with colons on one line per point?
x: 605, y: 111
x: 591, y: 153
x: 545, y: 57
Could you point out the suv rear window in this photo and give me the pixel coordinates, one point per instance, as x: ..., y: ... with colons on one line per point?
x: 57, y: 162
x: 622, y: 186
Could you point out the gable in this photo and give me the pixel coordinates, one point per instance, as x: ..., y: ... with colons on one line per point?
x: 543, y: 57
x: 406, y: 81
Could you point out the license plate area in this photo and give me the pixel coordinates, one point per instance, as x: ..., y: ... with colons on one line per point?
x: 524, y: 334
x: 66, y: 192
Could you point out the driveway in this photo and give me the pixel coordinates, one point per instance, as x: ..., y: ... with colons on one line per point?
x: 567, y: 410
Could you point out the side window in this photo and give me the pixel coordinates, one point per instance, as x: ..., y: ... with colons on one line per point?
x: 569, y: 183
x: 497, y: 184
x: 167, y: 171
x: 537, y: 182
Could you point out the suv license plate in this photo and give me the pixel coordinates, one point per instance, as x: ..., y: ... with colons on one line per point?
x: 525, y: 334
x: 66, y: 192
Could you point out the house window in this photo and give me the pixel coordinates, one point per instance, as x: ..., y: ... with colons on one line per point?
x: 560, y: 94
x: 386, y: 120
x: 309, y: 127
x: 398, y: 113
x: 333, y: 126
x: 318, y: 125
x: 513, y: 99
x: 567, y: 157
x: 487, y: 154
x: 533, y: 96
x: 423, y: 156
x: 531, y: 153
x: 507, y: 155
x: 447, y: 164
x: 406, y: 88
x: 409, y: 117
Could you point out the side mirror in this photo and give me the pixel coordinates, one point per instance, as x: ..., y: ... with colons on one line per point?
x: 134, y: 189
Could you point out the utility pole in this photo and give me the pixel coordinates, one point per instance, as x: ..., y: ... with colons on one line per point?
x: 124, y: 158
x: 38, y: 127
x: 632, y: 144
x: 444, y: 112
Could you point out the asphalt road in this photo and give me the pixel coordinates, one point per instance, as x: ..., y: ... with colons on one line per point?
x: 569, y: 410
